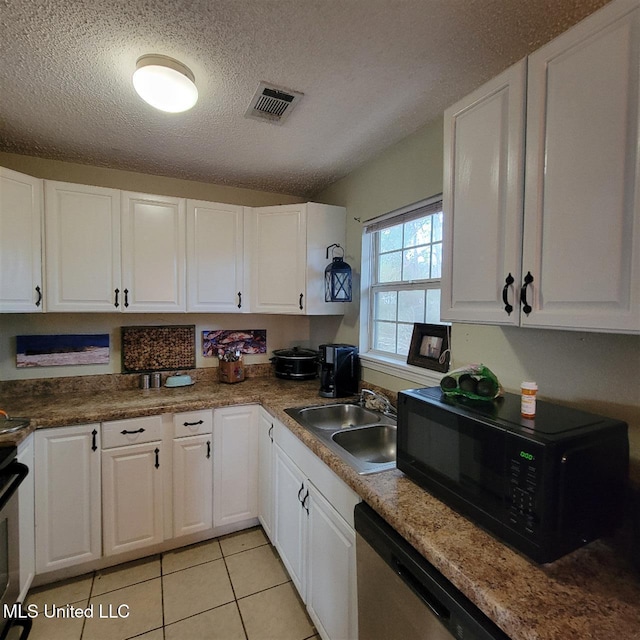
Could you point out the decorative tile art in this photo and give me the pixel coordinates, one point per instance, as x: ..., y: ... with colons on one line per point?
x: 62, y: 350
x: 249, y: 341
x: 158, y: 348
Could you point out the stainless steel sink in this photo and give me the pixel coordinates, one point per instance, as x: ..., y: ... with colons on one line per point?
x: 342, y: 416
x: 375, y: 443
x: 363, y: 438
x: 11, y: 425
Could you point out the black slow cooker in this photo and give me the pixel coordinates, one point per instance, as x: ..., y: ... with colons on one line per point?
x: 296, y: 363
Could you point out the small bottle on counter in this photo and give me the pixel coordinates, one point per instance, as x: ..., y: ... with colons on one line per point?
x: 144, y: 381
x: 528, y: 399
x: 156, y: 381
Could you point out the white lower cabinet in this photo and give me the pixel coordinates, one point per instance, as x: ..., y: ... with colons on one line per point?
x: 290, y: 518
x: 235, y: 465
x: 315, y: 535
x: 192, y: 472
x: 26, y: 517
x: 132, y: 484
x: 67, y: 493
x: 266, y: 448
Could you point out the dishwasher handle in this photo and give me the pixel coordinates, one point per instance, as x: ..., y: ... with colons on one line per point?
x: 421, y: 590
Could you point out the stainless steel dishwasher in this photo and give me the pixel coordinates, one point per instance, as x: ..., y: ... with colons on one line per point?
x: 402, y: 596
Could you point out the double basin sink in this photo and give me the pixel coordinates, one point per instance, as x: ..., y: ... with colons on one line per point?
x: 363, y: 438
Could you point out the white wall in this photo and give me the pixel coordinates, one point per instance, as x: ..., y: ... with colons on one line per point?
x: 598, y: 372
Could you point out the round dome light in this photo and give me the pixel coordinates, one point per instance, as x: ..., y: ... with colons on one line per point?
x: 165, y: 83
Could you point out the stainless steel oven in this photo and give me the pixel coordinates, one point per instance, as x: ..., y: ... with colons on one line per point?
x: 12, y: 473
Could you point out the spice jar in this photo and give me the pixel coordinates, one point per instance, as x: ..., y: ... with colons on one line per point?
x: 528, y: 399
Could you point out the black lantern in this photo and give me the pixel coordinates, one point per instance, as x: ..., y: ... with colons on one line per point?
x: 337, y: 278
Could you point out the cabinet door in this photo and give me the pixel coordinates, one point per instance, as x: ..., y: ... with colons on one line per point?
x: 192, y: 484
x: 235, y: 465
x: 582, y: 202
x: 20, y: 242
x: 482, y: 202
x: 82, y: 236
x: 331, y: 570
x: 132, y: 497
x: 277, y: 258
x: 153, y: 253
x: 27, y: 525
x: 215, y: 263
x: 265, y: 473
x: 290, y: 518
x: 67, y: 496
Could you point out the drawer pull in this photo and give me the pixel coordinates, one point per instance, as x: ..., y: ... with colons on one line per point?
x: 271, y: 433
x: 208, y: 449
x: 94, y: 443
x: 304, y: 502
x: 157, y: 452
x: 193, y: 424
x: 508, y: 281
x: 116, y: 303
x: 528, y: 279
x: 300, y: 492
x: 39, y: 300
x: 124, y: 432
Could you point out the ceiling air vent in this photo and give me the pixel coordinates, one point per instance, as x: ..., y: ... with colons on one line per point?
x: 273, y: 104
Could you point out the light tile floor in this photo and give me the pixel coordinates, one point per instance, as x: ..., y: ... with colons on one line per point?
x: 230, y: 588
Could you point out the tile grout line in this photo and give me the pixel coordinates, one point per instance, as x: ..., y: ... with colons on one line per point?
x: 233, y: 591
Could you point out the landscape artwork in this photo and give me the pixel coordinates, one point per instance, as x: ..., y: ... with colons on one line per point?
x: 217, y: 343
x: 62, y: 350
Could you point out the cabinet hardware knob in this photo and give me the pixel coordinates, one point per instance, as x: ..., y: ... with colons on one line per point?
x: 116, y: 304
x: 208, y: 449
x: 239, y: 299
x: 300, y: 303
x: 94, y: 440
x: 526, y: 307
x: 126, y: 298
x: 124, y: 432
x: 157, y: 452
x: 508, y: 281
x: 193, y: 424
x: 39, y: 300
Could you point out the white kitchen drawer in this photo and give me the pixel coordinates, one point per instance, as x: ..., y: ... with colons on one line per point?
x: 120, y: 433
x: 192, y: 423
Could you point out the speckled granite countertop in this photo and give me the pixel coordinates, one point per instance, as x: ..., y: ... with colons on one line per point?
x: 592, y: 593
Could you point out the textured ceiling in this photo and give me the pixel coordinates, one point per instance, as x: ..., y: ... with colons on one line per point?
x: 372, y: 72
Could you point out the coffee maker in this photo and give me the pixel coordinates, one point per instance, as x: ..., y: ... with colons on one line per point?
x: 339, y: 370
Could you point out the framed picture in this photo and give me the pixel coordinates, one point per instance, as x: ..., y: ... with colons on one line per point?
x: 429, y: 347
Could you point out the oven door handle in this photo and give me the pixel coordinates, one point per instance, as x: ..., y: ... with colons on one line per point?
x: 20, y: 471
x: 25, y: 623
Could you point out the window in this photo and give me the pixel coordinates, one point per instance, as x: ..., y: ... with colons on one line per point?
x: 405, y: 253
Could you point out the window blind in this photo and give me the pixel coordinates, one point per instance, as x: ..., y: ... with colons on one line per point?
x: 407, y: 214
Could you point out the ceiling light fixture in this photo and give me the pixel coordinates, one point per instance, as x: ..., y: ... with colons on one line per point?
x: 165, y: 83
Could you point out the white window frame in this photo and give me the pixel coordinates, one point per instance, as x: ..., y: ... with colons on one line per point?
x: 376, y: 360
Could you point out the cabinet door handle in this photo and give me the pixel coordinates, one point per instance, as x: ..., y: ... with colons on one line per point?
x: 508, y: 281
x: 271, y: 433
x: 39, y: 300
x: 157, y: 452
x: 528, y: 279
x: 300, y: 303
x: 299, y: 492
x: 304, y: 502
x: 193, y: 424
x: 124, y: 432
x: 94, y: 440
x: 126, y: 298
x: 239, y: 299
x: 116, y: 303
x: 208, y: 449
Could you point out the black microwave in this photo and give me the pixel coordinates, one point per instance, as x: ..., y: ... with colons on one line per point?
x: 545, y: 486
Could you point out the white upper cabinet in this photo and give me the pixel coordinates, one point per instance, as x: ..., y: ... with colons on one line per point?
x: 482, y: 198
x: 20, y: 242
x: 285, y: 253
x: 578, y: 221
x: 82, y: 232
x: 153, y: 253
x: 582, y: 203
x: 215, y: 258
